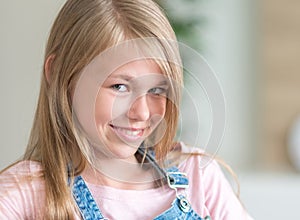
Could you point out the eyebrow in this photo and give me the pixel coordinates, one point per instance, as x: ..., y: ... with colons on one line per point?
x: 163, y: 83
x: 129, y: 77
x: 125, y: 76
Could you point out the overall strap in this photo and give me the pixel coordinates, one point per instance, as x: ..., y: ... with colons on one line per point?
x: 174, y: 178
x: 85, y: 201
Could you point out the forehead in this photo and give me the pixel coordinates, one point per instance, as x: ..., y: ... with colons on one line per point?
x: 137, y: 68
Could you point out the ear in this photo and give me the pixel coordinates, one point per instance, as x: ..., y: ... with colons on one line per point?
x: 48, y: 66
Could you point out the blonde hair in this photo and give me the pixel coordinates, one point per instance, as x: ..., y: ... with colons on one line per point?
x: 81, y: 31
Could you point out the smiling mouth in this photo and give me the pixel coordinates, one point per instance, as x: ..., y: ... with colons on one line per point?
x: 129, y: 134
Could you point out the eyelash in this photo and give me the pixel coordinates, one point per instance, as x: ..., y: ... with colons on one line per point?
x: 161, y: 91
x: 117, y: 87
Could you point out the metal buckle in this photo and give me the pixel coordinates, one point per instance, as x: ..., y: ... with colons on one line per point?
x: 173, y: 184
x: 184, y: 204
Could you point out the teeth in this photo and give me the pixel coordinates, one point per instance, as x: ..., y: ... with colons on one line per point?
x: 129, y: 132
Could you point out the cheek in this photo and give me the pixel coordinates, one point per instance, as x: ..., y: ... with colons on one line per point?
x: 158, y: 106
x: 103, y: 109
x: 158, y: 122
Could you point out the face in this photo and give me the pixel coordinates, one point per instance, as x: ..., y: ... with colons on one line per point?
x: 130, y: 104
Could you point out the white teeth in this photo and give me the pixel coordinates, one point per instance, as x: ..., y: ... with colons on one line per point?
x: 129, y: 132
x: 132, y: 133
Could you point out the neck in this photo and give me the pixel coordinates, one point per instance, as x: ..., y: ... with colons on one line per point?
x: 119, y: 173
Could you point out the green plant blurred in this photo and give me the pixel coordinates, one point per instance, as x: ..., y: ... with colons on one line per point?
x: 186, y: 20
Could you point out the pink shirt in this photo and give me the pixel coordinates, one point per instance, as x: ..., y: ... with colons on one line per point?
x: 209, y: 194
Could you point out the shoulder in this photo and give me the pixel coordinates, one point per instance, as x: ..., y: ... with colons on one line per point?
x: 201, y: 164
x: 202, y: 168
x: 22, y: 167
x: 21, y: 173
x: 22, y: 190
x: 209, y: 182
x: 196, y: 158
x: 204, y: 171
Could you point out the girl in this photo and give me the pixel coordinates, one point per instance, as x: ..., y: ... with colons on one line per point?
x: 101, y: 145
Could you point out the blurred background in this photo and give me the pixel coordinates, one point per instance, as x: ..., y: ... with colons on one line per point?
x: 254, y: 49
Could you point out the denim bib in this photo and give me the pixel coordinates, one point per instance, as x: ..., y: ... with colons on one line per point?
x: 180, y: 209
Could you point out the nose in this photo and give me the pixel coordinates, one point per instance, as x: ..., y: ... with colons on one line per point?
x: 139, y: 110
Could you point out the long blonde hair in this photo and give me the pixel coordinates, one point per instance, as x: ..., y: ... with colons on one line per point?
x: 81, y: 31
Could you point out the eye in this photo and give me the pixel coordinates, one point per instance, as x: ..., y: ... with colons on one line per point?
x: 158, y: 91
x: 120, y: 87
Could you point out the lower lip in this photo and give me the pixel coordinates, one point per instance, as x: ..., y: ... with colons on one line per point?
x: 127, y: 137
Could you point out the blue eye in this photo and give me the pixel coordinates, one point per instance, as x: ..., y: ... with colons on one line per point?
x: 119, y: 87
x: 158, y: 91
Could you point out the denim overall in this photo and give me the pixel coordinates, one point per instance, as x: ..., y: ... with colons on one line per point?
x: 179, y: 210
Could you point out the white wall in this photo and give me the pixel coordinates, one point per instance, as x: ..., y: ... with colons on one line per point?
x: 230, y: 39
x: 271, y: 195
x: 24, y: 29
